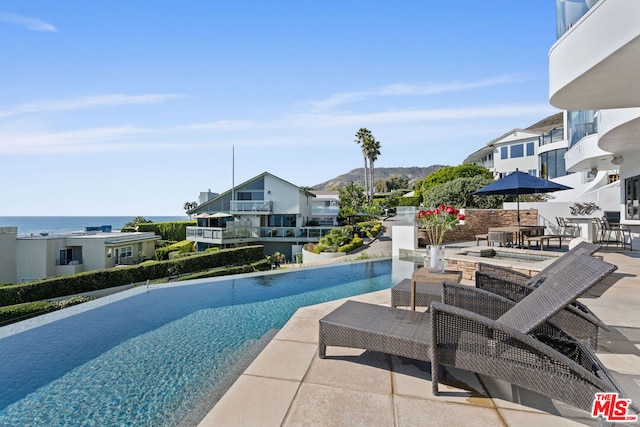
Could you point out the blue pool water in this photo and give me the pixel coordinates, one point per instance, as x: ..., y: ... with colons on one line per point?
x: 146, y: 357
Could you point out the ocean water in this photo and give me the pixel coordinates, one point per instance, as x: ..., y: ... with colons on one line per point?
x: 66, y: 224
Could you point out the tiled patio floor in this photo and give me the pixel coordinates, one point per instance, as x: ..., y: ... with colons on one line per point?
x: 288, y: 385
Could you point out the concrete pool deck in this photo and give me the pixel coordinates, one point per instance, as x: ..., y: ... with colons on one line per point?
x: 288, y: 385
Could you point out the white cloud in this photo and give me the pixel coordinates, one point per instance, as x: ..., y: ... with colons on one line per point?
x: 107, y: 100
x: 29, y: 23
x: 283, y: 131
x: 401, y: 89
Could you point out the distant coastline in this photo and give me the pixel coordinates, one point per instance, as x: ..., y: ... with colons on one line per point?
x: 66, y: 224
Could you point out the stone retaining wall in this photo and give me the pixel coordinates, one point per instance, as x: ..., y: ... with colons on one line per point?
x: 478, y: 221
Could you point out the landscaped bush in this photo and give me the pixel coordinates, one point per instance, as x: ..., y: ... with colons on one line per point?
x: 336, y: 238
x: 410, y: 201
x: 180, y: 247
x: 369, y: 228
x: 102, y: 279
x: 354, y: 244
x: 176, y: 231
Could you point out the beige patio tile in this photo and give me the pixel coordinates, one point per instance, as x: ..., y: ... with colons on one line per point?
x: 413, y: 379
x: 623, y: 363
x: 351, y: 369
x: 318, y: 405
x: 283, y: 359
x: 539, y: 419
x: 301, y: 329
x: 419, y: 412
x: 253, y: 401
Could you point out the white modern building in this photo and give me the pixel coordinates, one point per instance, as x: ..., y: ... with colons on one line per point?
x: 593, y: 74
x: 34, y: 257
x: 538, y: 150
x: 516, y: 149
x: 266, y: 210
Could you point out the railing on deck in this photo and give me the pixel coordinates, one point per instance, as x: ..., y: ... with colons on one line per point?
x: 244, y: 234
x: 251, y: 206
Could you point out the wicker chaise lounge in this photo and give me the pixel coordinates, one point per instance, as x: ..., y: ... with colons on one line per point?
x: 576, y: 318
x: 482, y: 332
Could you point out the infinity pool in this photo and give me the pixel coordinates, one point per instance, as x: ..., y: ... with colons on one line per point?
x: 148, y: 356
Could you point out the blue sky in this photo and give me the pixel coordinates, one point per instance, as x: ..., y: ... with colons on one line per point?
x: 132, y: 108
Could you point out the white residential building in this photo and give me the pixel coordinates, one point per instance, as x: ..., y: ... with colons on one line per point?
x: 539, y: 152
x: 266, y: 210
x: 34, y: 257
x: 593, y: 74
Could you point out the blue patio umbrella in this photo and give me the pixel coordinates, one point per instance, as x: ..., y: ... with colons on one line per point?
x: 517, y: 183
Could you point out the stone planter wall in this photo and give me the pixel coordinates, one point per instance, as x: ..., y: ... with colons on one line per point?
x: 313, y: 257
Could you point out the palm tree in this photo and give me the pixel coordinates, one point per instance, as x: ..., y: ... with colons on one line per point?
x: 362, y: 137
x: 188, y: 206
x: 372, y: 153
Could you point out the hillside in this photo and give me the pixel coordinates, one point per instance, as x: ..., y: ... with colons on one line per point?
x: 547, y: 123
x: 413, y: 174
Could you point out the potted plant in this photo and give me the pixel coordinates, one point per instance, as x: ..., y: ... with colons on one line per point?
x: 435, y: 223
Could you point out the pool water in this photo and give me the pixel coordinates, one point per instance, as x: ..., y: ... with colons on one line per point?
x: 147, y: 356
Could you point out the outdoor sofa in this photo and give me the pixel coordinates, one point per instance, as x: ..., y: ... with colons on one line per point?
x: 482, y: 332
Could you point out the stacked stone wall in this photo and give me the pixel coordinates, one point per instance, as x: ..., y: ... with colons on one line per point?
x: 478, y: 221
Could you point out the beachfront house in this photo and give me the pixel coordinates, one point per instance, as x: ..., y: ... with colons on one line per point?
x: 38, y: 256
x: 264, y: 210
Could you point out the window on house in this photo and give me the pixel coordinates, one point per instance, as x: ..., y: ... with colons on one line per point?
x: 552, y: 164
x: 532, y: 172
x: 504, y: 153
x: 126, y: 251
x: 517, y: 151
x: 632, y: 198
x: 530, y: 149
x: 282, y: 221
x: 66, y: 255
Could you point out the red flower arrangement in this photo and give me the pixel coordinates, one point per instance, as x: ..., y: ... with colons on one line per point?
x: 437, y: 221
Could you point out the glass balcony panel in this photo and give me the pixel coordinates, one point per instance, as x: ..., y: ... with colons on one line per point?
x: 569, y: 12
x: 581, y: 124
x: 251, y: 206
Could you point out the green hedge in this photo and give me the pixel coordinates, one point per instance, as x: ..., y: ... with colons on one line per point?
x: 102, y: 279
x: 176, y: 231
x: 410, y: 201
x: 262, y: 265
x: 15, y: 313
x: 181, y: 247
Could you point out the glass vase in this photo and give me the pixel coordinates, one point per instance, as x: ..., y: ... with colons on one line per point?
x: 434, y: 261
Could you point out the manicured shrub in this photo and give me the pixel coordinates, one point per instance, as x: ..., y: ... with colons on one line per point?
x: 178, y: 247
x: 168, y: 230
x: 369, y: 228
x: 354, y: 244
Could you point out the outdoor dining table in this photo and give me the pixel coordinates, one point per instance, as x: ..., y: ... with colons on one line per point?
x: 521, y: 230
